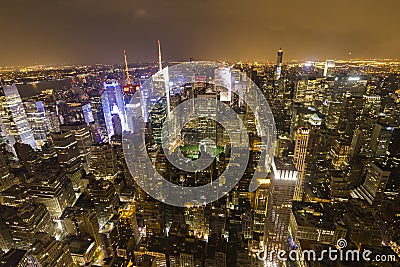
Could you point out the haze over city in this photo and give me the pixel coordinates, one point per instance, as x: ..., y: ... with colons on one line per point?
x: 96, y: 31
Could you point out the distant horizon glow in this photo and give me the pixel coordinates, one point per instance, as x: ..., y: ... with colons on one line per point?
x: 92, y: 32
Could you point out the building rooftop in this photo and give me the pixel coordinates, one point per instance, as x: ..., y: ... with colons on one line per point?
x: 309, y: 214
x: 80, y: 247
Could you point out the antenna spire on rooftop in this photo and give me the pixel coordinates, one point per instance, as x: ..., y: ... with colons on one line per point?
x: 128, y: 78
x: 159, y: 56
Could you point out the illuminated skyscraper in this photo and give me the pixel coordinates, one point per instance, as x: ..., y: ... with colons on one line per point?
x: 306, y: 91
x: 38, y: 121
x: 87, y: 113
x: 160, y: 83
x: 103, y: 163
x: 372, y: 105
x: 48, y: 99
x: 372, y: 190
x: 328, y: 64
x: 53, y: 190
x: 68, y: 155
x: 381, y: 139
x: 300, y: 153
x: 20, y: 224
x: 223, y: 82
x: 339, y: 153
x: 107, y: 115
x: 278, y: 71
x: 13, y: 116
x: 260, y: 215
x: 134, y: 114
x: 283, y: 182
x: 99, y: 128
x: 113, y: 104
x: 105, y: 199
x: 83, y: 138
x: 158, y: 115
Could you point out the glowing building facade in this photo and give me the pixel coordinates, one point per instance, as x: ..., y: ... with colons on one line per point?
x: 38, y: 121
x: 300, y: 153
x: 283, y: 182
x: 278, y: 71
x: 68, y: 155
x: 112, y: 101
x: 15, y: 123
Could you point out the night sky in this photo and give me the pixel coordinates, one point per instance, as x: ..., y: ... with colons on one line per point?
x: 96, y: 31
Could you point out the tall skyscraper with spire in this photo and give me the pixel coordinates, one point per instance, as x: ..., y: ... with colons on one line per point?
x: 129, y: 88
x: 159, y: 56
x: 162, y: 79
x: 128, y: 78
x: 279, y: 61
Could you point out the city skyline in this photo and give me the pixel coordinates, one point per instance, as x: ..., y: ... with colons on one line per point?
x: 199, y: 133
x: 90, y: 32
x: 86, y: 157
